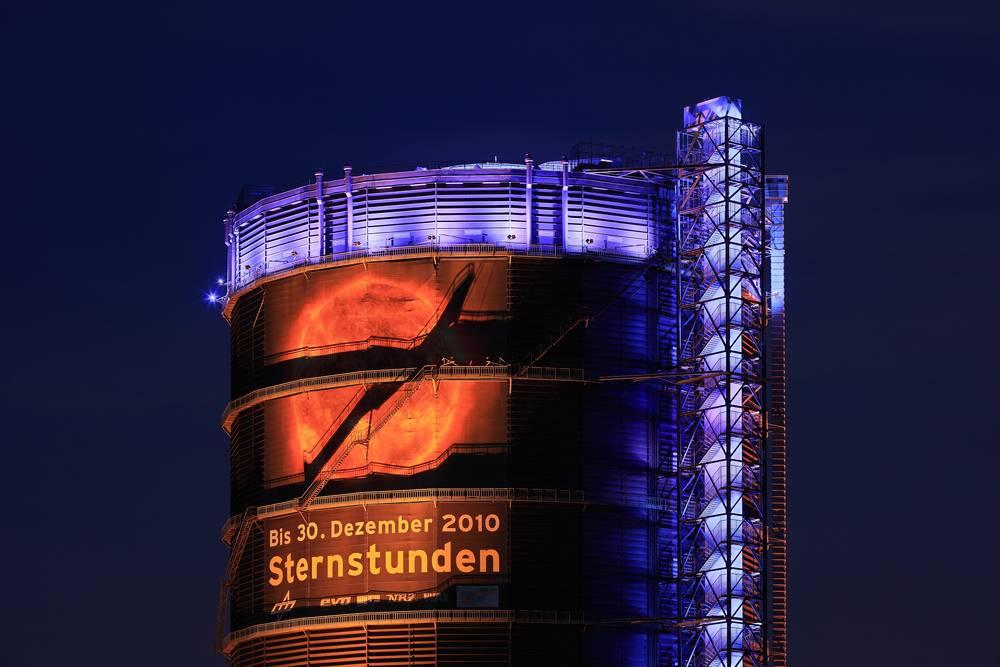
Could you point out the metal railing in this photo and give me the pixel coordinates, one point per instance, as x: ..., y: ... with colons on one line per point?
x: 566, y: 496
x: 320, y: 382
x: 552, y: 373
x: 456, y: 371
x: 437, y: 462
x: 445, y: 372
x: 272, y: 269
x: 436, y: 495
x: 412, y: 495
x: 387, y: 617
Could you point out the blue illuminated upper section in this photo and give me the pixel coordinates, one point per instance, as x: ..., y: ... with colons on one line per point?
x: 523, y: 208
x: 775, y: 198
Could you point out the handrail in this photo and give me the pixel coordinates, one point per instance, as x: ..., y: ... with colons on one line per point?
x: 265, y: 272
x: 455, y: 371
x: 555, y: 373
x: 388, y: 468
x: 319, y: 382
x: 444, y: 172
x: 510, y: 494
x: 452, y: 371
x: 387, y: 617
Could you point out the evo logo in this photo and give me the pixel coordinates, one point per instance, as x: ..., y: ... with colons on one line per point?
x: 284, y: 605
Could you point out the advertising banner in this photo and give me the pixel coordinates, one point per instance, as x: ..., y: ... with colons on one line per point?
x: 398, y: 552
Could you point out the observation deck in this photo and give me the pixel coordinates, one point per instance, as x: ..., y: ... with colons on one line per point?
x: 490, y: 208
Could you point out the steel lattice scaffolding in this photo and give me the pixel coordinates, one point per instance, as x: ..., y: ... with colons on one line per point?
x: 720, y: 424
x: 721, y: 550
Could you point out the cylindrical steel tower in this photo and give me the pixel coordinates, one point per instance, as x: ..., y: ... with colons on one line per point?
x: 457, y: 430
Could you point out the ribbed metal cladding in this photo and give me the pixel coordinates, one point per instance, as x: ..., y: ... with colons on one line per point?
x: 443, y: 207
x: 382, y: 645
x: 439, y: 643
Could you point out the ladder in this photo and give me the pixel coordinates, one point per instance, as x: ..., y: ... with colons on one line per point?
x: 247, y: 524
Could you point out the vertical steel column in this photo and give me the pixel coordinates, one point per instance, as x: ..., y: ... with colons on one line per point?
x: 322, y: 219
x: 776, y: 196
x: 528, y: 177
x: 263, y: 270
x: 436, y: 236
x: 349, y: 197
x: 565, y: 204
x: 227, y: 225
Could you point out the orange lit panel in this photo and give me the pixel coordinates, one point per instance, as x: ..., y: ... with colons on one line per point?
x: 429, y: 425
x: 296, y: 426
x: 410, y: 432
x: 396, y: 552
x: 390, y: 304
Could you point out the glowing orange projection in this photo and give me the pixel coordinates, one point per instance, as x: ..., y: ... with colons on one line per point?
x: 394, y: 304
x: 358, y: 309
x: 391, y: 304
x: 296, y: 427
x: 364, y: 309
x: 419, y: 435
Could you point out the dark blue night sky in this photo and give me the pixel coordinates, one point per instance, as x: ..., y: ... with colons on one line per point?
x: 128, y: 131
